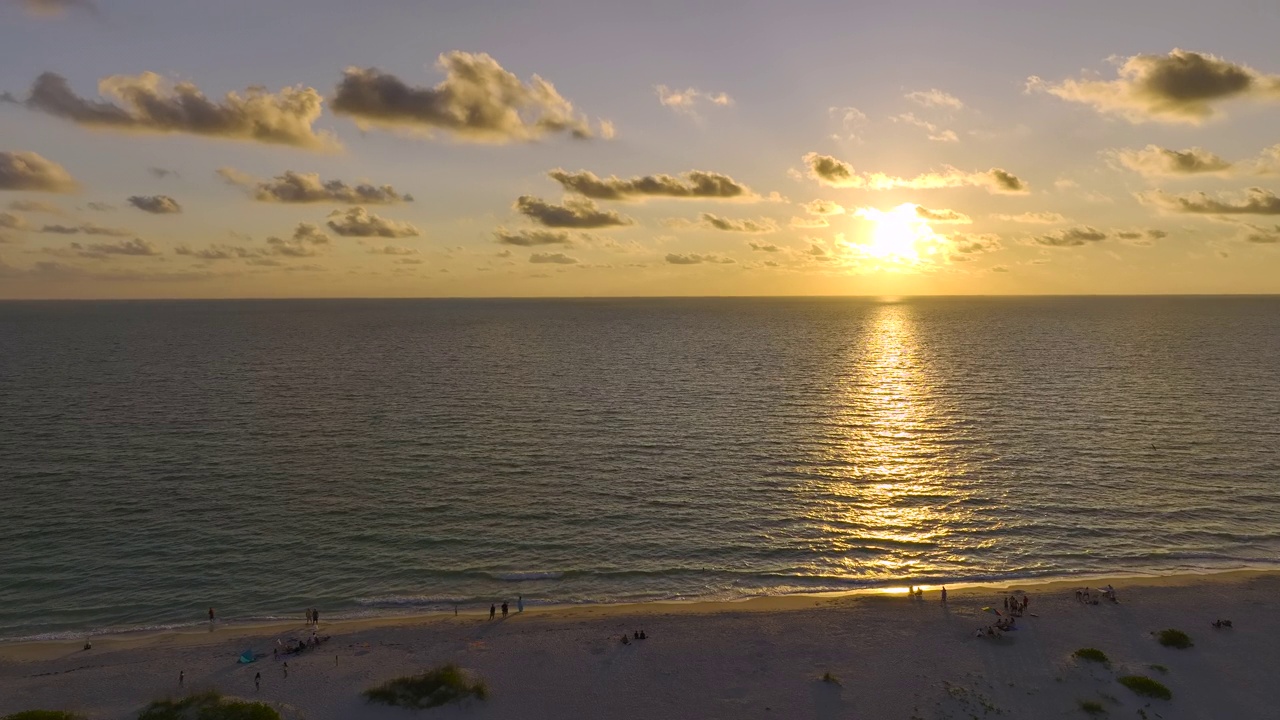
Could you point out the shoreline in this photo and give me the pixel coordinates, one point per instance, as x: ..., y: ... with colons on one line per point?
x: 200, y: 633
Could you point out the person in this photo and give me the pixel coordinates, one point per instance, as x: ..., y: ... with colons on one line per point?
x: 493, y: 611
x: 944, y: 593
x: 210, y: 614
x: 911, y: 591
x: 257, y: 681
x: 625, y: 639
x: 182, y: 677
x: 519, y: 603
x: 286, y: 669
x: 315, y: 617
x: 643, y: 636
x: 504, y: 608
x: 275, y: 653
x: 919, y: 592
x: 635, y: 634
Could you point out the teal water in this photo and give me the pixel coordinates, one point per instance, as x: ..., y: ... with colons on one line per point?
x: 369, y: 457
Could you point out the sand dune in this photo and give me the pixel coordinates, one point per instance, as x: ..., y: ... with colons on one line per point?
x: 894, y: 657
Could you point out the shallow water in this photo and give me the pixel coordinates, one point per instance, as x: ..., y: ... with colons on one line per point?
x: 397, y: 456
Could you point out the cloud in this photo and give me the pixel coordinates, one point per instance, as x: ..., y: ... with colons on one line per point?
x: 35, y: 206
x: 935, y: 98
x: 87, y: 229
x: 1071, y: 237
x: 935, y: 133
x: 162, y: 173
x: 686, y: 101
x: 359, y: 222
x: 1256, y: 201
x: 100, y: 206
x: 1142, y: 238
x: 1155, y: 161
x: 392, y: 250
x: 1181, y: 87
x: 155, y: 204
x: 307, y: 241
x: 478, y: 101
x: 136, y: 247
x: 220, y: 252
x: 9, y: 221
x: 695, y: 259
x: 818, y: 253
x: 832, y: 172
x: 851, y: 121
x: 762, y: 247
x: 574, y: 213
x: 942, y: 216
x: 715, y: 222
x: 1262, y: 236
x: 296, y: 187
x: 552, y: 258
x: 56, y: 8
x: 62, y: 271
x: 969, y: 244
x: 531, y: 238
x: 693, y: 184
x: 823, y: 207
x: 28, y: 171
x: 1033, y: 218
x: 810, y: 222
x: 148, y: 103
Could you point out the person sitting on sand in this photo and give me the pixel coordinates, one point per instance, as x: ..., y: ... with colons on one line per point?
x: 625, y: 639
x: 643, y: 636
x: 635, y: 634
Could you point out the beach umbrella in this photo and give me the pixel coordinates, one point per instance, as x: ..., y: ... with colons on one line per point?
x: 991, y: 610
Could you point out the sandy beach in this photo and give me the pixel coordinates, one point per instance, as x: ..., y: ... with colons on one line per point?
x: 894, y: 657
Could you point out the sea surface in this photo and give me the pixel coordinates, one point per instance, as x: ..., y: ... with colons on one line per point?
x: 373, y: 457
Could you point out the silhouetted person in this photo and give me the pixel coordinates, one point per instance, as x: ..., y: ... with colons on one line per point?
x: 182, y: 677
x: 944, y: 593
x: 504, y: 608
x: 210, y: 614
x: 519, y: 603
x: 257, y: 681
x: 493, y: 610
x: 315, y: 617
x: 286, y: 668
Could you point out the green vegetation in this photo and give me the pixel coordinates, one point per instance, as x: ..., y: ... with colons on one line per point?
x: 1092, y: 707
x: 445, y: 684
x: 207, y: 706
x: 1159, y: 668
x: 1143, y: 685
x: 42, y: 715
x: 1174, y: 639
x: 1092, y: 655
x: 829, y: 678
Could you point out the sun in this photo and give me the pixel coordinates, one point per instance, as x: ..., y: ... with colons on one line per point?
x: 898, y: 235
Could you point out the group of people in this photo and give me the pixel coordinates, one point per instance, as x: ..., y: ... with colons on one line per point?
x: 636, y: 634
x: 493, y: 609
x: 1091, y: 597
x: 918, y: 593
x: 1016, y: 606
x: 313, y: 617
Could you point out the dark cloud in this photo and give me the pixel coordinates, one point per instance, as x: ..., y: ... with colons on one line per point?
x: 823, y: 207
x: 220, y: 252
x: 574, y: 213
x: 35, y: 206
x: 87, y: 229
x: 9, y: 221
x: 478, y: 101
x: 969, y: 244
x: 136, y: 247
x: 100, y: 206
x: 1071, y: 237
x: 307, y: 241
x: 531, y: 238
x: 148, y: 103
x: 552, y: 258
x: 715, y: 222
x: 1155, y: 161
x: 696, y: 259
x: 1263, y: 236
x: 1182, y: 86
x: 832, y: 172
x: 162, y: 173
x: 1143, y: 238
x: 942, y: 216
x: 693, y: 184
x: 155, y: 204
x: 1256, y: 201
x: 358, y: 222
x: 295, y: 187
x: 763, y: 247
x: 28, y: 171
x: 392, y: 250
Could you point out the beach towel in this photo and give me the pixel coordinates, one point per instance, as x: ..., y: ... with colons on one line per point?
x: 246, y: 657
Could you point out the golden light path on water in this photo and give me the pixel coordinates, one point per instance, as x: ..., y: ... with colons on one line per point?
x: 888, y: 496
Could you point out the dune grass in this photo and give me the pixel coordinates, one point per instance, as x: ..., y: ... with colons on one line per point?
x: 1174, y: 639
x: 1092, y: 655
x: 1092, y: 707
x: 445, y: 684
x: 43, y: 715
x: 829, y: 678
x: 207, y: 706
x: 1145, y: 686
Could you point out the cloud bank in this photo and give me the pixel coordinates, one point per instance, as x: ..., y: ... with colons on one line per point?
x: 693, y: 184
x: 296, y: 187
x: 359, y: 222
x: 574, y: 213
x: 1071, y: 237
x: 1155, y: 161
x: 836, y: 173
x: 31, y: 172
x: 716, y: 222
x: 1256, y: 201
x: 155, y: 204
x: 531, y: 238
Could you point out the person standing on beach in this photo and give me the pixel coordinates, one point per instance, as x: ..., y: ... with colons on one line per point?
x: 493, y: 610
x: 210, y: 614
x: 519, y: 603
x: 315, y: 617
x: 182, y: 677
x: 504, y: 608
x: 944, y: 593
x: 286, y: 669
x: 257, y: 681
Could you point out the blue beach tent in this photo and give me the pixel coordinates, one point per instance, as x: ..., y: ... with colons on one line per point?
x: 247, y: 656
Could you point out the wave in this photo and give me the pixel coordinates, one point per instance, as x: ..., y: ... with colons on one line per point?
x: 525, y: 576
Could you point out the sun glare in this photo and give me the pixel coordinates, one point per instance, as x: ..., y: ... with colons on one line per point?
x: 899, y: 235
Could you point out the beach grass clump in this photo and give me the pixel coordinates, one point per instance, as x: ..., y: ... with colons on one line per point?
x: 1093, y: 707
x: 445, y: 684
x: 207, y: 706
x: 43, y: 715
x: 1174, y: 639
x: 1092, y: 655
x: 1145, y: 686
x: 827, y: 677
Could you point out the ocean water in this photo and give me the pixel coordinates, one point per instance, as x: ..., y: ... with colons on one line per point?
x: 367, y: 457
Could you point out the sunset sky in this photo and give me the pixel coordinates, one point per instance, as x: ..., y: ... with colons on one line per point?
x: 174, y: 148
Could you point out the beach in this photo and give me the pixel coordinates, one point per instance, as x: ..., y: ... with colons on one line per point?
x: 892, y: 656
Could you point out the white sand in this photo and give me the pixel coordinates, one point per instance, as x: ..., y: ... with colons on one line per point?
x: 894, y: 657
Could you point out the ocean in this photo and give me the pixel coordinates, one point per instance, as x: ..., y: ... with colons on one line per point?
x: 373, y: 457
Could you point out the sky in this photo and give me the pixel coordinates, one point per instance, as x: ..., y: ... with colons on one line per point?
x: 389, y: 148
